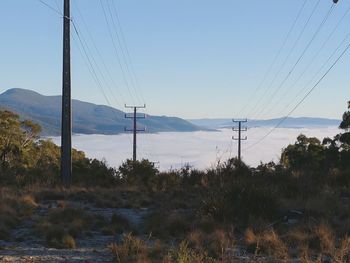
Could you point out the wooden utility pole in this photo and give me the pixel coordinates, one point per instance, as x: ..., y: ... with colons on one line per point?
x: 66, y: 132
x: 135, y: 130
x: 239, y: 139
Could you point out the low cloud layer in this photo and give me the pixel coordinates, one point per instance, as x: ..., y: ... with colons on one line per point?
x: 199, y: 149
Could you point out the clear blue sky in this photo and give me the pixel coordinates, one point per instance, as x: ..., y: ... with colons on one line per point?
x: 192, y: 58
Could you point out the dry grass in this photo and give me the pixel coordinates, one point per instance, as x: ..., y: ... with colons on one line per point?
x: 131, y: 249
x: 62, y: 225
x: 14, y: 207
x: 172, y: 221
x: 68, y: 242
x: 215, y: 244
x: 274, y: 245
x: 266, y: 242
x: 185, y: 254
x: 326, y: 239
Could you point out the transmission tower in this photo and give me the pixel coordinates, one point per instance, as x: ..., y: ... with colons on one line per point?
x: 66, y: 132
x: 135, y: 130
x: 239, y: 139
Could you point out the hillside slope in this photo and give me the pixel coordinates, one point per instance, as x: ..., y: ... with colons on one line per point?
x: 290, y: 122
x: 88, y: 118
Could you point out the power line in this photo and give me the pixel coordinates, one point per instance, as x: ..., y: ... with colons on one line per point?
x: 303, y: 99
x: 51, y: 7
x: 284, y: 63
x: 299, y: 58
x: 91, y: 67
x: 311, y: 61
x: 318, y: 72
x: 58, y: 6
x: 117, y: 52
x: 118, y: 30
x: 127, y: 51
x: 106, y: 69
x: 123, y: 50
x: 275, y: 59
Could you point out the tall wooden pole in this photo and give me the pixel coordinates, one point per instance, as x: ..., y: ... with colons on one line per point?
x: 134, y: 135
x: 239, y: 139
x: 66, y: 133
x: 135, y: 129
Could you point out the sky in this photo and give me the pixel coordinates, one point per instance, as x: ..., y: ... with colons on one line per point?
x: 185, y: 58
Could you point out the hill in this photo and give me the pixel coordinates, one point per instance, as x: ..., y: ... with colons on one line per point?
x: 290, y: 122
x: 88, y: 118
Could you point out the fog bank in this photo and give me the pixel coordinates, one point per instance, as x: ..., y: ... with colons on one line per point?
x: 199, y: 149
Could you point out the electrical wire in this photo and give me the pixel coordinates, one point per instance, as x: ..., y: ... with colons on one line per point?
x: 274, y: 60
x: 84, y: 52
x: 117, y: 52
x: 271, y: 98
x: 318, y: 72
x: 285, y: 94
x: 90, y: 63
x: 132, y: 68
x: 112, y: 9
x: 106, y: 69
x: 51, y: 7
x: 123, y: 52
x: 284, y: 63
x: 303, y: 99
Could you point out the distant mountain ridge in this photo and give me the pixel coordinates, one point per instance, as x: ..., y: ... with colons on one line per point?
x: 290, y: 122
x: 88, y: 118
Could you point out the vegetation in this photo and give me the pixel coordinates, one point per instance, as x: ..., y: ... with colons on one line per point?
x: 298, y: 208
x: 26, y: 160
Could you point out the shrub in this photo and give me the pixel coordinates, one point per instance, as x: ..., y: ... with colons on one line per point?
x: 237, y: 203
x: 131, y: 249
x: 185, y: 254
x: 141, y: 173
x: 268, y: 242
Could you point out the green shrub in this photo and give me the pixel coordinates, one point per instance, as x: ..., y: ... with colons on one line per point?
x: 240, y: 204
x: 141, y: 173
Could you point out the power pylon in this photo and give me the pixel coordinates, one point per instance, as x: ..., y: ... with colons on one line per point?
x: 239, y: 139
x: 135, y: 130
x: 66, y: 132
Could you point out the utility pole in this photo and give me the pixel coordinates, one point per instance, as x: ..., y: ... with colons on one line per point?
x: 66, y: 132
x: 239, y: 139
x: 135, y: 130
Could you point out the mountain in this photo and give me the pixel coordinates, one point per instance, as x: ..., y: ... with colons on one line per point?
x: 88, y: 118
x: 288, y: 123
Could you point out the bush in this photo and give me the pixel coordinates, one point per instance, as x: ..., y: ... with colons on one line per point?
x: 240, y: 204
x: 131, y: 249
x: 185, y: 254
x: 141, y: 173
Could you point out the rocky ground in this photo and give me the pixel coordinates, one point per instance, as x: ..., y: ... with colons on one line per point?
x: 24, y: 246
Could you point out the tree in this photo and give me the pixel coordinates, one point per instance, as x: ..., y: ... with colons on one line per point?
x: 140, y: 172
x: 305, y: 154
x: 16, y: 138
x: 345, y: 125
